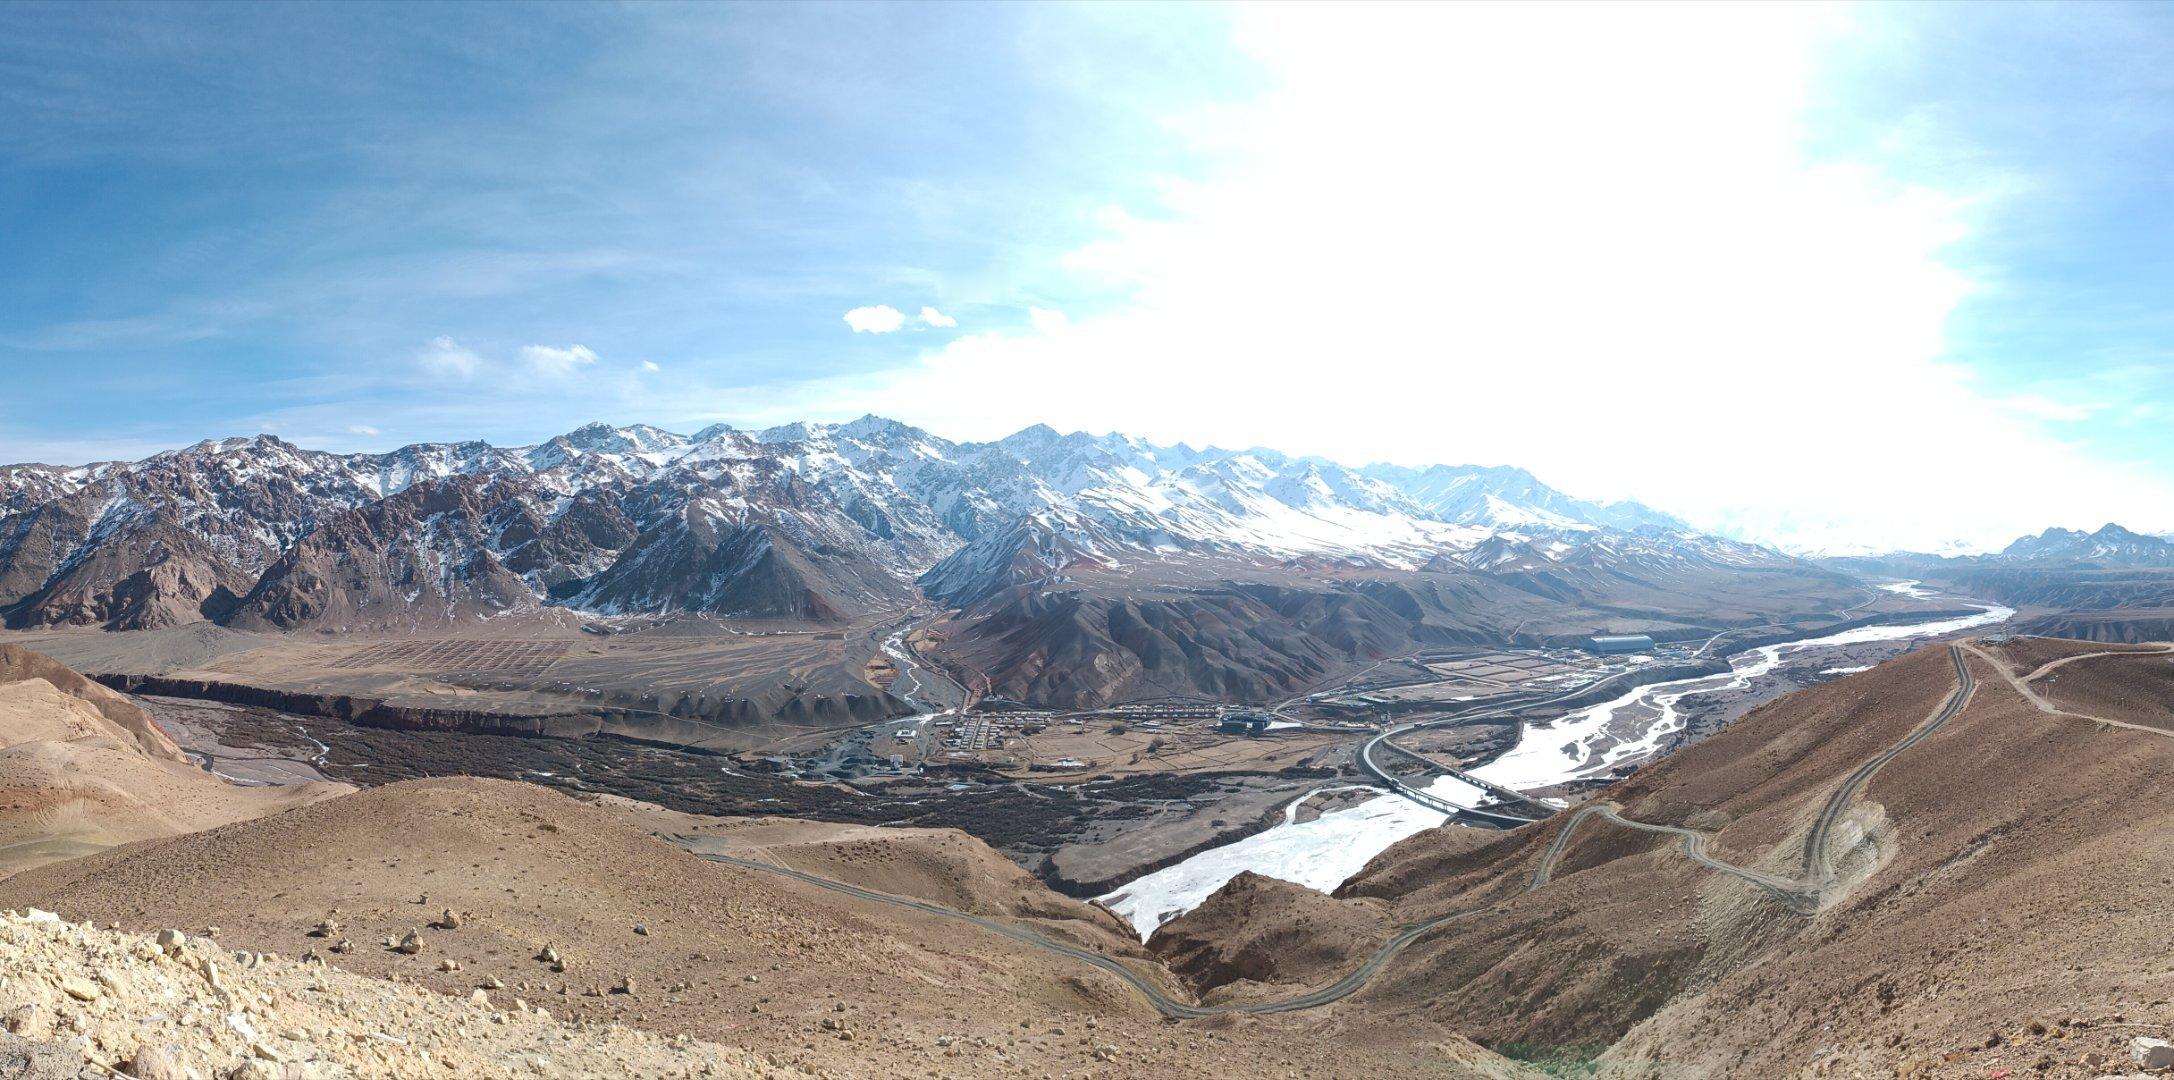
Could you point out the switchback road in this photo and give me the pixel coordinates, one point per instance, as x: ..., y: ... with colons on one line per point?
x: 1817, y: 875
x: 1801, y: 894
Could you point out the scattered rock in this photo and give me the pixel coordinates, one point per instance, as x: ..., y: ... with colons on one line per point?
x: 448, y: 964
x: 450, y: 920
x: 155, y: 1063
x: 640, y: 929
x: 171, y: 942
x: 29, y: 1021
x: 411, y: 944
x: 327, y: 928
x: 85, y: 990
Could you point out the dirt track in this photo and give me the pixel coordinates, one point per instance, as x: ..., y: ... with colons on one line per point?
x: 2023, y: 685
x: 1803, y: 892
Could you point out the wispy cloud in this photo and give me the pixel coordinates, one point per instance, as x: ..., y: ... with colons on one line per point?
x: 556, y: 361
x: 446, y: 357
x: 932, y: 317
x: 362, y: 429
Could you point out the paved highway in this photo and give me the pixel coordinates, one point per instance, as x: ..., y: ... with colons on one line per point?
x: 1800, y: 894
x: 1417, y: 795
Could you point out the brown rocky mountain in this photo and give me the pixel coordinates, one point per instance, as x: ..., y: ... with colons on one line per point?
x: 1992, y: 908
x: 1086, y: 569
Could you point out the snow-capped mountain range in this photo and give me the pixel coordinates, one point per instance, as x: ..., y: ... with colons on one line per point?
x: 810, y: 521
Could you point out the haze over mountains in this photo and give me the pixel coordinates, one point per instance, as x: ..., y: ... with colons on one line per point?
x: 802, y: 521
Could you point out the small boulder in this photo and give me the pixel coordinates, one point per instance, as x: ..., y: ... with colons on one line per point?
x: 449, y: 964
x: 155, y: 1063
x: 411, y: 944
x: 80, y: 989
x: 450, y: 920
x: 170, y: 942
x: 2150, y: 1053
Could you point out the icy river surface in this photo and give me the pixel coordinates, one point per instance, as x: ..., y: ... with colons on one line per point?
x: 1322, y: 853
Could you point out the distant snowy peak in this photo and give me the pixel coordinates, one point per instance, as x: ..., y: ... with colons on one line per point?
x: 2111, y: 545
x: 1504, y: 495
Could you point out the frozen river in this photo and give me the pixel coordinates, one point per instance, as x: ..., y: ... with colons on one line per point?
x: 1323, y: 853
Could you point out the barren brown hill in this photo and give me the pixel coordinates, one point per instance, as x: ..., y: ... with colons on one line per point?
x: 2131, y: 686
x: 942, y: 866
x: 1999, y: 903
x: 800, y: 974
x: 82, y: 768
x: 1260, y: 937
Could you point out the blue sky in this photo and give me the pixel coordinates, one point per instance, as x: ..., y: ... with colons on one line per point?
x: 1773, y: 268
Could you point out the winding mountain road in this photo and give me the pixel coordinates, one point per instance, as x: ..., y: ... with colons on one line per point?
x: 2023, y: 685
x: 1818, y: 874
x: 1801, y: 894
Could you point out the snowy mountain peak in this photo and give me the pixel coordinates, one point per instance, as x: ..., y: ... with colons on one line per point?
x: 802, y: 519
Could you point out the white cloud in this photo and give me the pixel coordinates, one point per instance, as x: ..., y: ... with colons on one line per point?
x: 446, y: 357
x: 880, y: 319
x: 651, y: 366
x: 2043, y: 407
x: 363, y: 429
x: 1048, y: 321
x: 555, y: 361
x: 933, y: 317
x: 1592, y: 246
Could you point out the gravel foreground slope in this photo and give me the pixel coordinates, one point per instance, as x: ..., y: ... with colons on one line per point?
x: 78, y: 1001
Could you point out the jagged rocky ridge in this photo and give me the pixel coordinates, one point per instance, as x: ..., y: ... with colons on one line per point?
x: 803, y: 521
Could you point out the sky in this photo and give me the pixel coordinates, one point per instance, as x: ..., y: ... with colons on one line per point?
x: 1837, y: 276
